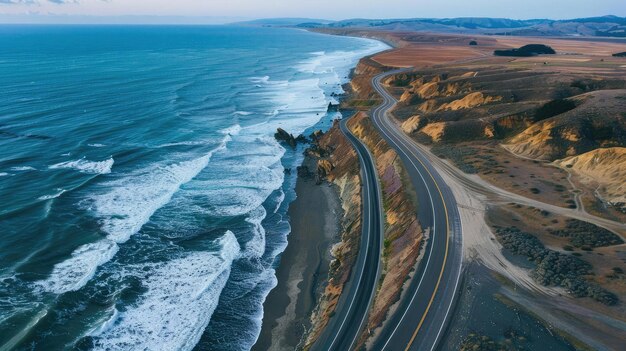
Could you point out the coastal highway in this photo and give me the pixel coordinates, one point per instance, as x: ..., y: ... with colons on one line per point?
x: 350, y: 317
x: 424, y: 308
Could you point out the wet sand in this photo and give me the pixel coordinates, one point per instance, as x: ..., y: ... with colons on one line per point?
x: 303, y: 269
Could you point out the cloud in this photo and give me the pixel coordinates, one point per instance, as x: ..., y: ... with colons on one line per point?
x: 33, y: 2
x: 14, y: 2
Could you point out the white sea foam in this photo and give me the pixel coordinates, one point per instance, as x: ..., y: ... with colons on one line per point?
x: 3, y: 174
x: 240, y: 181
x: 255, y: 247
x: 232, y: 130
x: 73, y: 273
x: 184, y: 143
x: 106, y: 323
x: 85, y: 166
x: 264, y: 79
x: 279, y: 200
x: 181, y: 296
x: 96, y: 145
x: 123, y: 210
x: 23, y: 168
x: 53, y: 196
x: 300, y: 103
x: 132, y: 200
x: 242, y: 113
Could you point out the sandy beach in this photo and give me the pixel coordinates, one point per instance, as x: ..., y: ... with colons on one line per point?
x: 303, y: 269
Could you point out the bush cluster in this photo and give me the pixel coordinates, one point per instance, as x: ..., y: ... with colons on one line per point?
x: 512, y: 341
x: 584, y: 234
x: 526, y: 51
x: 554, y: 268
x: 554, y: 108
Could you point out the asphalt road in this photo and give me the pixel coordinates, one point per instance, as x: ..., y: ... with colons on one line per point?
x: 420, y: 320
x: 350, y: 317
x: 422, y: 314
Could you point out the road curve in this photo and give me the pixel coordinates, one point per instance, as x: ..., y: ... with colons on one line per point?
x: 350, y: 317
x: 422, y: 314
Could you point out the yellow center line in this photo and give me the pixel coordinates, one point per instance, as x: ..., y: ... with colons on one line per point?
x: 445, y: 258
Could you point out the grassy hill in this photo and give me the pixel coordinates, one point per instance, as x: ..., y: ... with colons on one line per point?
x: 608, y: 26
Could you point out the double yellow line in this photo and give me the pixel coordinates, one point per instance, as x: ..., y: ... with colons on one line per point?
x: 445, y: 258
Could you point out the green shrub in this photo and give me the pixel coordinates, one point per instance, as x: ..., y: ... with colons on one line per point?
x: 554, y: 268
x: 527, y: 51
x: 584, y: 234
x: 554, y: 108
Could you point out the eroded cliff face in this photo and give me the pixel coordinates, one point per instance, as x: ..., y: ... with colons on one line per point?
x: 338, y: 164
x: 403, y: 237
x: 361, y: 95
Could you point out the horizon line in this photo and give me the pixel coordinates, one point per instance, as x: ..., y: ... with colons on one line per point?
x: 25, y: 19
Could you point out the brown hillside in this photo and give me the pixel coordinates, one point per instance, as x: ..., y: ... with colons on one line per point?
x: 598, y: 121
x: 603, y: 168
x: 506, y: 119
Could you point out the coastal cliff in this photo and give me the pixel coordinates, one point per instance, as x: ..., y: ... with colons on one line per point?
x: 337, y: 163
x: 361, y: 94
x: 403, y: 237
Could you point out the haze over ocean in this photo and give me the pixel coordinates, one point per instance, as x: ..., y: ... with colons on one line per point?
x: 145, y: 195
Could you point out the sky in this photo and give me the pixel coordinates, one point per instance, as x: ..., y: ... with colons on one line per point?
x: 221, y: 11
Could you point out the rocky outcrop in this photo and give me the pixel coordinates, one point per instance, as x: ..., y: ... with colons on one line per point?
x: 428, y: 88
x: 428, y: 106
x: 284, y: 137
x: 413, y: 124
x: 469, y: 101
x: 435, y: 131
x: 324, y: 167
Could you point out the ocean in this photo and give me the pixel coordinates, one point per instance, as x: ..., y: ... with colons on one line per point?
x: 143, y: 195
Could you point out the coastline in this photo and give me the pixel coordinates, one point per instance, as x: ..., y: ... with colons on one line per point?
x: 302, y: 273
x: 315, y: 223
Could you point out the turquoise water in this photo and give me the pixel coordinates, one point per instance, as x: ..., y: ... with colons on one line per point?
x: 143, y: 195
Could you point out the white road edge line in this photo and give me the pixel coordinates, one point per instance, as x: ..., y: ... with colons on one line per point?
x: 377, y: 79
x: 362, y: 270
x: 377, y: 261
x: 403, y: 138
